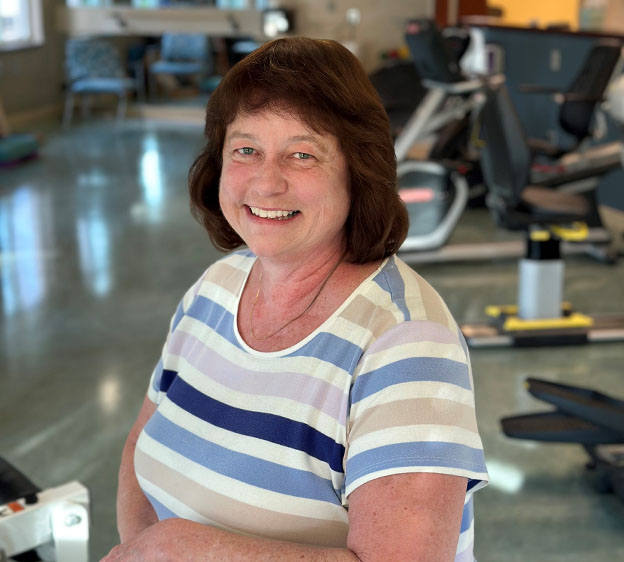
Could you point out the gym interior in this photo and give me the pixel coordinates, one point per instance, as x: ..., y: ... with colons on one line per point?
x: 506, y: 114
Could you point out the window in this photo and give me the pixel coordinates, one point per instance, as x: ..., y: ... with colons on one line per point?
x: 21, y: 24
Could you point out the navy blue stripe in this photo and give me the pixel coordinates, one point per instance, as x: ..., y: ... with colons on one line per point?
x: 472, y: 483
x: 166, y: 379
x: 332, y: 349
x: 240, y: 466
x: 269, y: 427
x: 412, y: 454
x: 412, y: 369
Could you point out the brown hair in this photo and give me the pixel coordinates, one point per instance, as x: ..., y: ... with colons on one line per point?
x: 325, y: 86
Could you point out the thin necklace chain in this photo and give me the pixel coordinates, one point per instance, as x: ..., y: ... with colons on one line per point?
x: 253, y: 307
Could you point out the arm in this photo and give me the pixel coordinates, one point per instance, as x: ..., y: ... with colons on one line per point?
x: 414, y: 516
x: 134, y: 512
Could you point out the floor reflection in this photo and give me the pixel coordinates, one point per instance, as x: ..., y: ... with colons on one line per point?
x: 23, y: 249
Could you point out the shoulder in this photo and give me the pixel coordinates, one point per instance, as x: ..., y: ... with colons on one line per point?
x: 398, y: 291
x: 226, y: 275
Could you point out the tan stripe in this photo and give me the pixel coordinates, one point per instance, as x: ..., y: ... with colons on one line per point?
x: 435, y: 310
x: 228, y: 277
x: 364, y: 313
x: 237, y: 515
x: 419, y: 411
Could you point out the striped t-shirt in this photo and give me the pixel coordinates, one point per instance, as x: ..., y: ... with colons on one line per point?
x: 271, y: 444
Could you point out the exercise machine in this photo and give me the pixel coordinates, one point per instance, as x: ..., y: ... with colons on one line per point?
x: 450, y: 95
x: 547, y: 217
x: 48, y: 525
x: 582, y: 416
x: 436, y: 193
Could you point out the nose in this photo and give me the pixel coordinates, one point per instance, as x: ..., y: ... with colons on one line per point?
x: 269, y: 179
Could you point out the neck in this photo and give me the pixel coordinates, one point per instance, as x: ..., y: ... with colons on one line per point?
x: 280, y: 282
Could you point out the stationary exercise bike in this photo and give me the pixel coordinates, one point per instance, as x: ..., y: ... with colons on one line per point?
x: 435, y: 192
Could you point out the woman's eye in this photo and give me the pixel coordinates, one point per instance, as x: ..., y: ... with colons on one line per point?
x: 246, y: 150
x: 303, y: 155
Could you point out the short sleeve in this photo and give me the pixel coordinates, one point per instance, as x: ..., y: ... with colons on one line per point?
x: 412, y: 408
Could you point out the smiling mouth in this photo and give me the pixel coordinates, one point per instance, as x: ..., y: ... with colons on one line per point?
x: 274, y: 215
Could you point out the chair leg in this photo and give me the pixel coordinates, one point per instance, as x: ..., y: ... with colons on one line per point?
x: 122, y: 104
x: 69, y: 109
x: 85, y: 105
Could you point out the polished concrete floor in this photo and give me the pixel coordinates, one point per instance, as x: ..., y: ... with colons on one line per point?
x: 96, y: 247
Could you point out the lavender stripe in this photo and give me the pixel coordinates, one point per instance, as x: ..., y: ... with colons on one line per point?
x: 295, y: 386
x: 413, y: 332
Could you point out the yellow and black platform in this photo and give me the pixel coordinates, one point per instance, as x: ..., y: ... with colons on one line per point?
x: 506, y: 328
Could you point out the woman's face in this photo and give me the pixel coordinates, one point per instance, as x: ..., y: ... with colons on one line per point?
x: 283, y: 187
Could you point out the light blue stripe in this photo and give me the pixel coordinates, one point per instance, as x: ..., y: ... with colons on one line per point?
x: 215, y: 316
x: 418, y: 453
x: 179, y: 313
x: 331, y: 349
x: 467, y: 516
x: 242, y: 467
x: 390, y: 280
x: 161, y: 511
x: 325, y: 346
x: 412, y: 369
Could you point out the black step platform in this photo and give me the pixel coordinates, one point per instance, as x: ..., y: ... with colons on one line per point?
x: 582, y: 416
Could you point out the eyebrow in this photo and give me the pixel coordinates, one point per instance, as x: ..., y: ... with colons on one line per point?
x: 297, y: 138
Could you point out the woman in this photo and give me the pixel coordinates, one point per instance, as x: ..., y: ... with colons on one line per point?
x: 314, y: 397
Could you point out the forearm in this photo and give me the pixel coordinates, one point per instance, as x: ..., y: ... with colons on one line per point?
x: 209, y: 544
x: 134, y: 511
x: 173, y: 540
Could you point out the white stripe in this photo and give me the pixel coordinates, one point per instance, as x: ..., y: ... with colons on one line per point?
x: 414, y: 469
x: 348, y: 330
x: 237, y: 490
x: 412, y: 350
x: 414, y: 433
x: 383, y: 299
x: 277, y: 405
x: 466, y: 539
x: 220, y: 295
x: 255, y: 447
x: 414, y: 391
x: 309, y: 366
x: 181, y: 509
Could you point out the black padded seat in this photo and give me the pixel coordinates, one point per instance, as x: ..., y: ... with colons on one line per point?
x: 505, y: 161
x: 579, y: 100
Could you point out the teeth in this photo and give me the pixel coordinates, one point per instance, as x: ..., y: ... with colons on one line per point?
x: 279, y: 215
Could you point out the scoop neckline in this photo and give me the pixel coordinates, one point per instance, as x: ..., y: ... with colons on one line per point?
x: 322, y: 328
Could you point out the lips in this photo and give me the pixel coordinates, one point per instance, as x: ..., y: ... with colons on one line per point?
x: 274, y: 214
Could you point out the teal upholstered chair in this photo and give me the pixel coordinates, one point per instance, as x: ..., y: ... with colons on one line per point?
x: 93, y: 67
x: 186, y: 56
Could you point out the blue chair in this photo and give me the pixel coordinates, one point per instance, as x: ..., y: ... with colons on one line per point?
x: 182, y: 55
x: 93, y: 67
